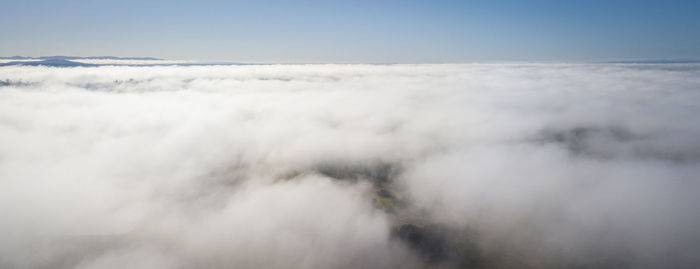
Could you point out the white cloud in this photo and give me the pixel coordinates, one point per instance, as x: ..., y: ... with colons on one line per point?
x: 223, y: 166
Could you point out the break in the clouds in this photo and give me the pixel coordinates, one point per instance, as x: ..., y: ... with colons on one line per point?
x: 350, y: 166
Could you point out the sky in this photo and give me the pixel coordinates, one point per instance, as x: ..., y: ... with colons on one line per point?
x: 354, y: 31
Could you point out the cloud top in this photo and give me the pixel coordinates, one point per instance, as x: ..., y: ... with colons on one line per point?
x: 347, y: 166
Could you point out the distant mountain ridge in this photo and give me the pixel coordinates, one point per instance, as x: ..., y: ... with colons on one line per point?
x: 79, y: 58
x: 66, y: 61
x: 47, y: 62
x: 73, y: 61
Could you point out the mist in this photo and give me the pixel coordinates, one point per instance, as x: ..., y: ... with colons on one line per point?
x: 350, y: 166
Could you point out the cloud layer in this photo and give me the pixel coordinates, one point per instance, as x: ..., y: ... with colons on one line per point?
x: 347, y: 166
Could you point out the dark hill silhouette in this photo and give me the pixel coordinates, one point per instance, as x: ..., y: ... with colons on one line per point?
x: 64, y: 61
x: 48, y: 62
x: 58, y: 57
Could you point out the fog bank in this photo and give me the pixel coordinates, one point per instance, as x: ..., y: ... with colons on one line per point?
x: 350, y: 166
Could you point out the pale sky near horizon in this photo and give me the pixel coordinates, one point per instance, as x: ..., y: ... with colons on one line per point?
x: 354, y: 31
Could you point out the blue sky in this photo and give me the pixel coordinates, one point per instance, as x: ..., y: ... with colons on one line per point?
x: 354, y: 31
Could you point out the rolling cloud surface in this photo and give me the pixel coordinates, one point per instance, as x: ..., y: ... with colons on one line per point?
x: 350, y: 166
